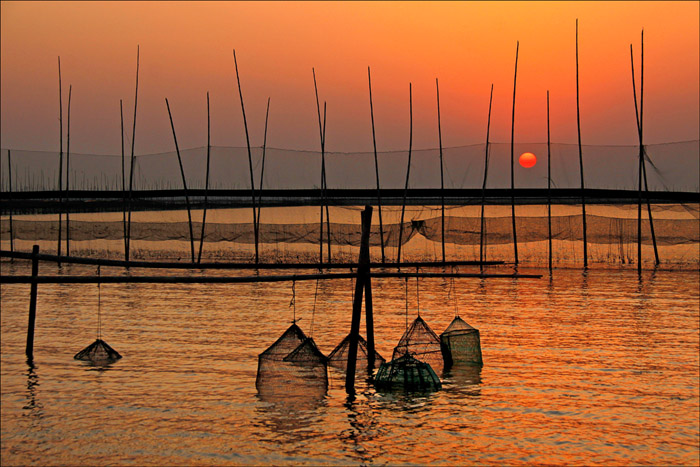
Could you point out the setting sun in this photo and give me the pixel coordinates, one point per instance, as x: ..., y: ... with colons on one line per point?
x: 527, y: 160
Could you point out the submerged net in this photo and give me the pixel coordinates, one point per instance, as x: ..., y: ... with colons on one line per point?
x: 98, y: 352
x: 292, y: 367
x: 408, y: 374
x: 460, y: 344
x: 338, y: 358
x: 421, y: 342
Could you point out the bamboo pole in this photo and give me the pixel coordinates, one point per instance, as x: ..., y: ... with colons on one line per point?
x: 250, y: 161
x: 29, y: 350
x: 483, y: 187
x: 549, y: 188
x: 131, y: 165
x: 262, y: 169
x: 60, y: 159
x: 9, y: 179
x: 70, y: 91
x: 121, y: 116
x: 580, y: 160
x: 206, y: 184
x: 376, y: 169
x: 362, y: 276
x: 442, y: 172
x: 184, y: 181
x: 512, y: 168
x: 408, y: 169
x: 324, y: 188
x: 324, y: 185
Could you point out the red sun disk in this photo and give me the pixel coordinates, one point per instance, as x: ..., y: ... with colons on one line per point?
x: 527, y: 160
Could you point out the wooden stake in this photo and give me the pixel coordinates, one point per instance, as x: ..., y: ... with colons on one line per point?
x: 376, y: 168
x: 131, y: 165
x: 184, y: 181
x: 262, y: 170
x: 9, y: 179
x: 126, y: 246
x: 549, y: 188
x: 408, y: 169
x: 60, y: 159
x: 206, y: 184
x: 512, y: 169
x: 32, y: 305
x: 250, y: 161
x: 369, y: 323
x: 442, y: 172
x: 70, y: 91
x: 362, y: 275
x: 580, y: 160
x: 483, y: 187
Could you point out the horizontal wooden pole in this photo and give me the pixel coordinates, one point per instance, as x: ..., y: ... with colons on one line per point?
x: 223, y: 265
x: 236, y: 280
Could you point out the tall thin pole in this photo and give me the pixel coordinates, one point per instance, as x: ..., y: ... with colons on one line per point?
x: 60, y: 158
x: 322, y: 133
x: 483, y: 186
x: 250, y: 160
x: 408, y: 168
x: 512, y: 168
x: 70, y: 91
x: 206, y: 184
x: 184, y: 181
x: 376, y: 169
x: 121, y: 116
x: 9, y: 179
x: 580, y: 160
x: 549, y: 188
x: 131, y: 165
x: 442, y: 171
x: 29, y: 350
x: 262, y: 169
x: 325, y: 185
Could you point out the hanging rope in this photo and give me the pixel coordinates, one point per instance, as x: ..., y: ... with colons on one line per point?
x: 293, y: 302
x: 313, y: 311
x: 406, y: 288
x: 454, y: 293
x: 417, y: 294
x: 99, y: 305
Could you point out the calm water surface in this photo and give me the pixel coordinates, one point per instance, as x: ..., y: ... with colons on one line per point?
x: 596, y: 369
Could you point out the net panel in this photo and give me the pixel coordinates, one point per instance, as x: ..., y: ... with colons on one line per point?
x: 408, y: 374
x: 99, y: 352
x: 338, y: 358
x: 422, y: 343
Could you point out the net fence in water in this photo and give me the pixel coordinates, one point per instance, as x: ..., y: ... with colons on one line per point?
x: 670, y: 167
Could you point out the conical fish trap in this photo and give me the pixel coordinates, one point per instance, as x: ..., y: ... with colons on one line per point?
x: 98, y: 352
x: 339, y: 356
x: 408, y: 374
x: 461, y: 344
x: 421, y: 342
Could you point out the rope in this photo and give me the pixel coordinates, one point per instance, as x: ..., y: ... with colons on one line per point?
x: 99, y: 306
x: 313, y: 311
x: 293, y: 302
x: 406, y: 288
x: 417, y: 294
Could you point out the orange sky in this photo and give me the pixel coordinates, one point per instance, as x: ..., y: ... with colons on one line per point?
x: 186, y: 50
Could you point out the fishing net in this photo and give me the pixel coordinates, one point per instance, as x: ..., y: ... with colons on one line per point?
x: 421, y: 342
x: 293, y: 366
x: 460, y: 344
x: 98, y: 352
x: 338, y: 358
x: 408, y: 374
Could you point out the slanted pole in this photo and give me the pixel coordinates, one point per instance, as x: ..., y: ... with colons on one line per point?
x: 512, y: 168
x: 549, y: 188
x: 376, y: 169
x: 32, y: 305
x: 362, y: 276
x: 580, y: 160
x: 442, y: 172
x: 9, y: 179
x: 126, y: 246
x: 369, y: 323
x: 206, y: 184
x: 131, y: 165
x: 324, y: 203
x: 184, y: 181
x: 70, y: 91
x: 262, y: 169
x: 60, y: 160
x: 483, y: 186
x: 408, y: 169
x: 250, y: 161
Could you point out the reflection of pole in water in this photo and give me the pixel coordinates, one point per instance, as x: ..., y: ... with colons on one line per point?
x: 32, y: 382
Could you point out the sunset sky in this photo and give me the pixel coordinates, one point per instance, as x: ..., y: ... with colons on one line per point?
x: 186, y: 50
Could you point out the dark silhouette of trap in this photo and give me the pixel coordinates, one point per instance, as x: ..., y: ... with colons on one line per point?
x: 338, y: 358
x: 422, y: 343
x: 460, y: 344
x: 406, y: 373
